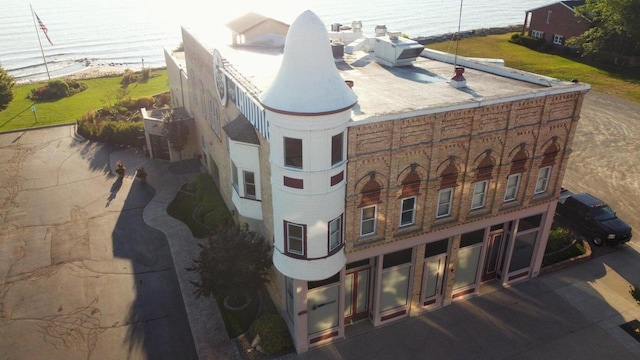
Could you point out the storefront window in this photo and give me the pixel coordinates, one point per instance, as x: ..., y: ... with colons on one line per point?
x: 522, y: 251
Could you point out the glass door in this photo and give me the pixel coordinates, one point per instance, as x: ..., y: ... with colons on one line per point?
x: 356, y: 293
x: 433, y: 280
x: 495, y: 247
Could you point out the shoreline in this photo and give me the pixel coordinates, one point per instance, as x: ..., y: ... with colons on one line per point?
x: 92, y: 72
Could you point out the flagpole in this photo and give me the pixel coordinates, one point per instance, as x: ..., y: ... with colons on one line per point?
x: 40, y: 42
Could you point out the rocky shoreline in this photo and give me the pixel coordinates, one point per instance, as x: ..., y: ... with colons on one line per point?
x: 467, y: 34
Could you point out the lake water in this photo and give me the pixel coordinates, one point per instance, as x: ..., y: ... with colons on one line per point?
x: 132, y: 33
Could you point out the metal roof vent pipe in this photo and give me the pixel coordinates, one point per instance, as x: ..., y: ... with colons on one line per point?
x: 381, y: 30
x: 356, y: 26
x: 458, y: 80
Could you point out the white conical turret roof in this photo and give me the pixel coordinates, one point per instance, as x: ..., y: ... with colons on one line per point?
x: 308, y: 80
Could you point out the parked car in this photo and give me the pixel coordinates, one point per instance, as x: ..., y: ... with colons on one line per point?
x: 593, y: 218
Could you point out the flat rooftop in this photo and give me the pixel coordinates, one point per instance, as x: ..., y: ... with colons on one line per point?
x: 386, y: 92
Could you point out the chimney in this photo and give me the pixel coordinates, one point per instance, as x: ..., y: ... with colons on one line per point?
x: 458, y: 80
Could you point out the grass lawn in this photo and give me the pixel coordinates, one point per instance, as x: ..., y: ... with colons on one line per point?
x: 19, y: 115
x: 182, y: 208
x: 611, y: 80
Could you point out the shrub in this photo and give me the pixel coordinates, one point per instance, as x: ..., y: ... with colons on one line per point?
x: 576, y: 249
x: 273, y: 332
x: 145, y: 102
x: 58, y: 89
x: 515, y: 38
x: 146, y: 73
x: 212, y: 210
x: 75, y: 87
x: 218, y: 217
x: 127, y: 77
x: 531, y: 42
x: 128, y: 103
x: 116, y: 132
x: 164, y: 99
x: 87, y: 126
x: 558, y: 238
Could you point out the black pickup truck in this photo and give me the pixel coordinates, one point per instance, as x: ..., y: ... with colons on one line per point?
x: 593, y: 218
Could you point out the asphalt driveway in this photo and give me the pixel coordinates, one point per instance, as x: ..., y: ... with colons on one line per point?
x: 81, y: 274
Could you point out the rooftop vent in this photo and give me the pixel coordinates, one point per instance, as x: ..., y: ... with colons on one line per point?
x: 338, y: 50
x: 356, y: 25
x: 458, y: 80
x: 381, y: 30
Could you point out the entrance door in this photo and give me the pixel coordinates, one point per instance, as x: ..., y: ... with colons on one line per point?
x: 356, y: 295
x: 322, y: 307
x: 433, y: 280
x: 160, y: 147
x: 495, y: 247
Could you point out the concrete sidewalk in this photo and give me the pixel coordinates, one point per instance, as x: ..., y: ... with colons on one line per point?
x: 573, y: 313
x: 207, y: 327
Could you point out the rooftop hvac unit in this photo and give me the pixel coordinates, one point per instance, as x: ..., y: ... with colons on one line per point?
x: 394, y: 50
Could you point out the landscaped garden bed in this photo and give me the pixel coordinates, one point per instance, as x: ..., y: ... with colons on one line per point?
x: 563, y: 248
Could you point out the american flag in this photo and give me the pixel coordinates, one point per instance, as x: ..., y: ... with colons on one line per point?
x: 43, y: 27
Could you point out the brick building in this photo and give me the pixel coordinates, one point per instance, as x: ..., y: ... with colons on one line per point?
x: 555, y: 23
x: 390, y: 183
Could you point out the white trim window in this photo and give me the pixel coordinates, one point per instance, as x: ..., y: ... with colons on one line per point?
x: 234, y: 177
x: 249, y: 179
x: 445, y: 198
x: 479, y: 194
x: 337, y: 146
x: 513, y: 183
x: 408, y: 211
x: 368, y: 220
x: 558, y: 39
x: 293, y: 153
x: 295, y: 239
x: 537, y: 34
x: 543, y: 180
x: 335, y: 233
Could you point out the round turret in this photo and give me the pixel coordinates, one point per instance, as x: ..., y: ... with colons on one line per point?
x: 307, y: 82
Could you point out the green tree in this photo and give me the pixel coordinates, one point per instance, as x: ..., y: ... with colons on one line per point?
x: 7, y: 82
x: 615, y: 27
x: 233, y: 262
x: 176, y: 131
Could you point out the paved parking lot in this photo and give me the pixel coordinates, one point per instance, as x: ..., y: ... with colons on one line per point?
x: 82, y: 276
